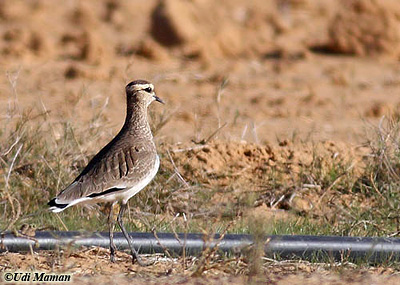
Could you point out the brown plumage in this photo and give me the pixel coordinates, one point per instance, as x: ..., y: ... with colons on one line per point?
x: 123, y: 167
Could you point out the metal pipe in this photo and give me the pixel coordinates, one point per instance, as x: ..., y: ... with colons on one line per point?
x: 285, y: 247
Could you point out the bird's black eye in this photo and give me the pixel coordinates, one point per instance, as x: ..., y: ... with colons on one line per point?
x: 148, y: 89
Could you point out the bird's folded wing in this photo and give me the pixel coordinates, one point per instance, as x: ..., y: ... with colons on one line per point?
x: 109, y: 173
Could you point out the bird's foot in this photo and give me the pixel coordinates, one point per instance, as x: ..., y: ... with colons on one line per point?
x: 136, y: 258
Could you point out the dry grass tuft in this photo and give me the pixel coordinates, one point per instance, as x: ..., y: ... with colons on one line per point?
x: 218, y: 187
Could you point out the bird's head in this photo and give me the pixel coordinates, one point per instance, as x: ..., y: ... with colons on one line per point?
x: 142, y: 92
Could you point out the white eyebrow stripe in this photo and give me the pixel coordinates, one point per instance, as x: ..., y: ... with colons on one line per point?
x: 143, y: 86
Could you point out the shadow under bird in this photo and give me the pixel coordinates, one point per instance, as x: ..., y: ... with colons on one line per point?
x: 122, y: 168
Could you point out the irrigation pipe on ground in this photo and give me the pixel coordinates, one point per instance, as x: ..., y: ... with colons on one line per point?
x: 284, y: 247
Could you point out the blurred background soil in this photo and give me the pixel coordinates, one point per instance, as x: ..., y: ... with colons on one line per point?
x: 292, y: 68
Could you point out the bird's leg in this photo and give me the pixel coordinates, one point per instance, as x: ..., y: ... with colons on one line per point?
x: 111, y: 224
x: 135, y: 255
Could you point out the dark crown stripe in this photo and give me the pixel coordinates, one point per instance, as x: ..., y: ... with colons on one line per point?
x: 136, y: 82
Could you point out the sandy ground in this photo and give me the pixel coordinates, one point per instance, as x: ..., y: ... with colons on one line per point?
x: 263, y: 72
x: 92, y: 266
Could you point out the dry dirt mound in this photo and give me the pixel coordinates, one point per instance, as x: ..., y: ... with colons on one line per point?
x: 203, y: 29
x: 91, y: 31
x: 95, y: 32
x: 367, y: 27
x: 288, y: 176
x: 238, y: 28
x: 219, y: 161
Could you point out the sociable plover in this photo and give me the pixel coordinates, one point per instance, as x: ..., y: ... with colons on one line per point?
x: 122, y: 168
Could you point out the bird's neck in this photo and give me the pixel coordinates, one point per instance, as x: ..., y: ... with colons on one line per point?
x: 136, y: 122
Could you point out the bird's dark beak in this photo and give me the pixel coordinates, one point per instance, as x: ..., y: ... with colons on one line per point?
x: 158, y: 99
